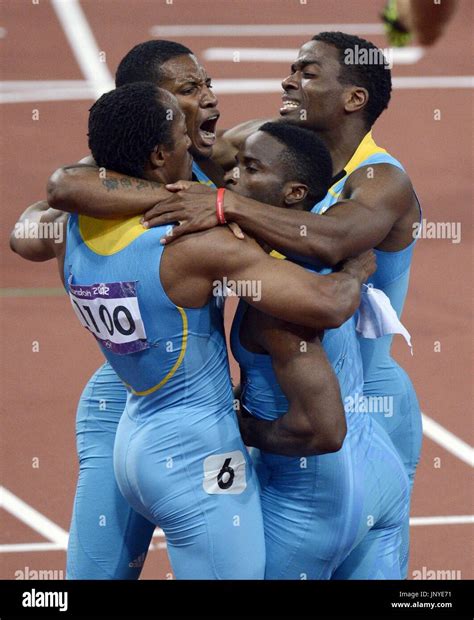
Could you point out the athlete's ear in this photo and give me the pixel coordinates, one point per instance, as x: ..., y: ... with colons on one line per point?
x: 356, y: 98
x: 158, y: 156
x: 294, y: 192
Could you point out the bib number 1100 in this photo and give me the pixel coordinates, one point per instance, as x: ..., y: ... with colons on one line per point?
x: 111, y: 312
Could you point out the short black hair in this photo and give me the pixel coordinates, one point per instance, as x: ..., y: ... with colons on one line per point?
x: 143, y: 62
x: 306, y: 158
x: 376, y: 77
x: 127, y: 123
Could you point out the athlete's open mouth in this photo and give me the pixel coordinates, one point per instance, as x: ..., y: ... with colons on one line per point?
x: 288, y: 105
x: 207, y: 130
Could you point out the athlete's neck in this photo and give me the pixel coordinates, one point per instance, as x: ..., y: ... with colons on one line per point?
x: 342, y: 143
x: 211, y: 170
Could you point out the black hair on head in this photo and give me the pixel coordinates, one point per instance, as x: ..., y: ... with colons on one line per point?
x: 143, y: 62
x: 374, y: 74
x: 306, y: 158
x: 126, y: 124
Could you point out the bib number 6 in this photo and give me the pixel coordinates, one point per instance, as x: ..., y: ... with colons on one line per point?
x: 225, y: 473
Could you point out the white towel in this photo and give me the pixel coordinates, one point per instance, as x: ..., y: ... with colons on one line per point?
x: 377, y: 316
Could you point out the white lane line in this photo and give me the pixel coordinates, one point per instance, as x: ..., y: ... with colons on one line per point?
x: 34, y: 519
x: 76, y: 90
x: 53, y: 93
x: 28, y: 547
x: 45, y: 546
x: 258, y: 85
x: 398, y: 56
x: 448, y: 440
x: 447, y: 520
x: 83, y: 45
x: 21, y: 91
x: 19, y: 85
x: 261, y: 30
x: 435, y: 81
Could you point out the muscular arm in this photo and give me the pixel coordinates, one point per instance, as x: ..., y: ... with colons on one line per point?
x: 363, y: 217
x: 89, y: 190
x: 230, y: 140
x: 23, y: 241
x: 374, y: 199
x: 276, y: 287
x: 315, y: 421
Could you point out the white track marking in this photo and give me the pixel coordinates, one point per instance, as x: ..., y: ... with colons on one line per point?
x: 448, y: 440
x: 448, y: 520
x: 75, y: 90
x: 29, y: 547
x: 260, y: 30
x: 435, y: 81
x: 34, y: 519
x: 83, y: 44
x: 399, y: 56
x: 414, y: 521
x: 19, y: 85
x: 229, y: 86
x: 46, y: 90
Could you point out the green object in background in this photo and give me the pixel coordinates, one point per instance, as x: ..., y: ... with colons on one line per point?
x: 397, y: 35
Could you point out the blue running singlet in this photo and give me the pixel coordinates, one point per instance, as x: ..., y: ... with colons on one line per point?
x: 179, y: 458
x: 382, y: 375
x: 331, y: 516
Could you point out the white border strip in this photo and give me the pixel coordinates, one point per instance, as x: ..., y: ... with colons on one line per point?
x: 448, y: 520
x: 34, y: 519
x: 29, y: 547
x: 435, y: 81
x: 228, y: 86
x: 260, y: 30
x: 46, y: 546
x: 399, y: 56
x: 76, y: 90
x: 83, y: 44
x: 448, y: 440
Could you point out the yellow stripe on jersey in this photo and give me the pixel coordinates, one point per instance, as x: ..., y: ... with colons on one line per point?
x: 366, y: 148
x: 176, y: 365
x: 276, y: 254
x: 107, y: 237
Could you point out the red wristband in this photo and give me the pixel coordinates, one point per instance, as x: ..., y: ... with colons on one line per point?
x: 220, y: 206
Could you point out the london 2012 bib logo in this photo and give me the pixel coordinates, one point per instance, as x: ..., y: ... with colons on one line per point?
x: 110, y: 311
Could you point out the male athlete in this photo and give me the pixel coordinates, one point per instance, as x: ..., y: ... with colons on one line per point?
x: 179, y: 458
x: 370, y: 204
x: 118, y: 550
x: 337, y: 515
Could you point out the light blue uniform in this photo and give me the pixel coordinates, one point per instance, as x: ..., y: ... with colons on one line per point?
x: 382, y: 375
x: 211, y: 531
x: 107, y: 538
x: 331, y: 516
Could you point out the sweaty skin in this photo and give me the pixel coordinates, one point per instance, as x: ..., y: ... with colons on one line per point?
x: 315, y: 422
x: 85, y: 190
x: 377, y: 208
x: 288, y: 292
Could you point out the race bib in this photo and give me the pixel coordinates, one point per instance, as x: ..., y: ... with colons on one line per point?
x: 111, y: 313
x: 225, y: 473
